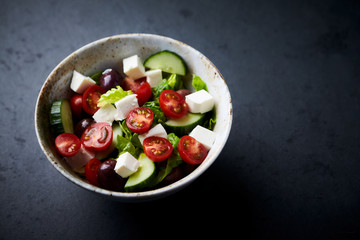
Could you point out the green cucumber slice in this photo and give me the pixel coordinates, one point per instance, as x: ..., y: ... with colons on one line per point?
x: 184, y: 125
x: 167, y: 61
x: 143, y: 176
x: 61, y: 117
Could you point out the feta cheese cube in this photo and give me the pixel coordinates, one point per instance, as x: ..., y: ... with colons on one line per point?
x: 158, y: 130
x: 105, y: 114
x: 204, y: 136
x: 154, y: 77
x: 125, y: 105
x: 126, y: 165
x: 80, y: 159
x: 79, y: 83
x: 133, y: 67
x: 200, y: 102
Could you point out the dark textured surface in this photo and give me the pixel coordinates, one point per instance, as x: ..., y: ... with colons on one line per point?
x: 290, y: 169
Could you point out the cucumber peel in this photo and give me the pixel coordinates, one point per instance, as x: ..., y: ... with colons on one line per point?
x: 184, y: 125
x: 143, y: 176
x: 167, y: 61
x: 61, y: 117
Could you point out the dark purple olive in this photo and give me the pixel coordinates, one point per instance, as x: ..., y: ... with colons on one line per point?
x: 174, y: 175
x: 82, y: 125
x: 110, y: 78
x: 108, y: 178
x: 183, y: 92
x: 187, y: 168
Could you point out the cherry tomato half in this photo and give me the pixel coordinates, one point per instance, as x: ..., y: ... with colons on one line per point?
x: 173, y: 104
x: 76, y: 105
x: 90, y: 99
x: 67, y: 144
x: 130, y: 84
x: 140, y: 87
x: 191, y: 151
x: 97, y: 137
x: 157, y: 148
x: 140, y: 119
x: 143, y: 94
x: 91, y: 171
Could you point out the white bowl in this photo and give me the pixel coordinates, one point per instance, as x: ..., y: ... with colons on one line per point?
x: 108, y: 53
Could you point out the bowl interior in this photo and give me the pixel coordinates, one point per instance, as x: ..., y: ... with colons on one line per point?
x: 108, y: 53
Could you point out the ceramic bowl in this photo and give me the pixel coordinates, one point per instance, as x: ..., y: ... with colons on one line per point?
x: 108, y: 53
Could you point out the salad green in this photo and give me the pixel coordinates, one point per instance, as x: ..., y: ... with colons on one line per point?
x: 112, y: 96
x: 163, y: 110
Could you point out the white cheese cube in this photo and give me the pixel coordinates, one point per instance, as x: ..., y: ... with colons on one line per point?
x: 133, y: 67
x: 154, y: 77
x: 158, y: 130
x: 200, y: 102
x: 204, y: 136
x: 80, y: 159
x: 125, y: 105
x: 105, y: 114
x: 126, y: 165
x: 79, y: 83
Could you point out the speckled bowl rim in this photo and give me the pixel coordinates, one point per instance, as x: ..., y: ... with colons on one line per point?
x: 132, y: 196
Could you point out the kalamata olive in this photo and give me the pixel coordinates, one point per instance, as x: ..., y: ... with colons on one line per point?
x: 187, y: 168
x: 82, y: 125
x: 183, y: 92
x: 110, y: 78
x: 108, y: 178
x: 174, y: 175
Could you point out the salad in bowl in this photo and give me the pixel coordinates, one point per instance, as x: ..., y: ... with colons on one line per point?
x: 139, y: 124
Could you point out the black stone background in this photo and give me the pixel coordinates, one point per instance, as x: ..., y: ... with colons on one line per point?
x: 290, y: 169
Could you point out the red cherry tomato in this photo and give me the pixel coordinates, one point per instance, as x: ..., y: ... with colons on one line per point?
x: 140, y: 119
x: 97, y: 137
x: 91, y: 171
x: 76, y: 105
x: 143, y: 94
x: 140, y: 87
x: 130, y: 84
x: 191, y: 151
x: 173, y: 104
x: 67, y: 144
x: 157, y: 148
x: 90, y: 99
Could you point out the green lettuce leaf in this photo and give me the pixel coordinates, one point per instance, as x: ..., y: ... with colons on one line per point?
x: 161, y: 87
x: 210, y: 120
x: 173, y: 139
x: 113, y: 95
x: 129, y: 142
x: 125, y: 145
x: 175, y: 82
x: 198, y: 83
x: 96, y: 77
x: 159, y: 116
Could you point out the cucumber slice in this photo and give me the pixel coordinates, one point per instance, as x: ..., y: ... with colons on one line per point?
x: 167, y: 61
x: 61, y: 117
x: 184, y: 125
x: 143, y: 176
x: 116, y: 131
